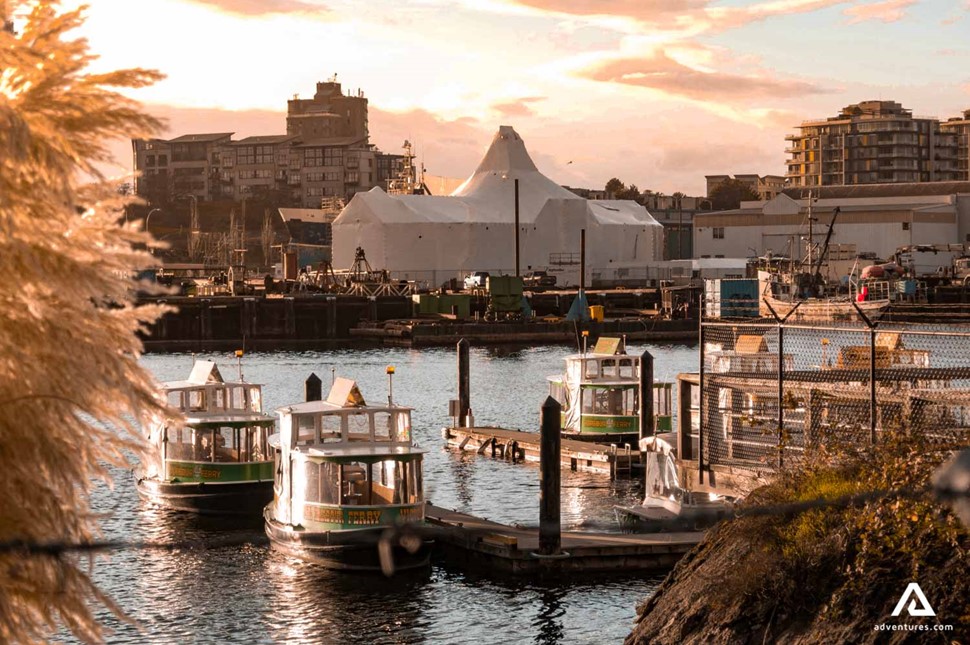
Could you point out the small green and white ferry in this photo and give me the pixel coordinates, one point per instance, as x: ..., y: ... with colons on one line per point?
x: 346, y: 472
x: 600, y: 395
x: 217, y: 461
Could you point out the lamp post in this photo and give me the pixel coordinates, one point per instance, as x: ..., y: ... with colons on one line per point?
x: 148, y: 217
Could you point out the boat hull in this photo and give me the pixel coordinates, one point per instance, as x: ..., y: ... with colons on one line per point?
x: 350, y: 550
x: 663, y: 518
x: 231, y: 498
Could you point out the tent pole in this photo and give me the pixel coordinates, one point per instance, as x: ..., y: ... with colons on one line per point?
x: 516, y: 228
x: 582, y: 259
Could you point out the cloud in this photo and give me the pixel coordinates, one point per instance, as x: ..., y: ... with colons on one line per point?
x: 886, y: 11
x: 658, y: 71
x: 263, y: 7
x: 690, y: 16
x: 517, y: 107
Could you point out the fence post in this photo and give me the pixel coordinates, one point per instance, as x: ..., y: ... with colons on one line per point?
x: 703, y: 401
x: 781, y: 394
x: 872, y: 372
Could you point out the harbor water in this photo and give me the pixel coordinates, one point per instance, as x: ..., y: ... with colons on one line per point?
x: 242, y: 592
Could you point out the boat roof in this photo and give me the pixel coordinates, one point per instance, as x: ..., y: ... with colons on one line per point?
x: 203, y: 373
x: 325, y: 407
x: 364, y: 450
x: 588, y: 355
x: 243, y: 418
x: 597, y: 382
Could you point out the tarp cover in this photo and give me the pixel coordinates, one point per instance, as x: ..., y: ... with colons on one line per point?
x: 435, y: 238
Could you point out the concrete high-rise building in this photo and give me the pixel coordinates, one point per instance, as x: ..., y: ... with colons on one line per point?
x: 872, y: 142
x: 960, y: 127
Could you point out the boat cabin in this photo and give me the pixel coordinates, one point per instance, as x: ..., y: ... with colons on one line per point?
x: 343, y: 464
x: 224, y: 427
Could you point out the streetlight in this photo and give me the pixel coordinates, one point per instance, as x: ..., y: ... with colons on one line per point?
x: 148, y: 217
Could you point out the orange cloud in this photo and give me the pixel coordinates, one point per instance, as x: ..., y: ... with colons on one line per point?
x: 887, y: 11
x: 658, y: 71
x: 518, y: 107
x: 688, y: 15
x: 263, y: 7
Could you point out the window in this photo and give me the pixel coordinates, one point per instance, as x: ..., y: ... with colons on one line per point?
x: 162, y: 160
x: 150, y: 160
x: 353, y: 177
x: 228, y: 160
x: 313, y: 157
x: 264, y: 154
x: 314, y: 191
x: 246, y: 155
x: 905, y: 226
x: 718, y: 232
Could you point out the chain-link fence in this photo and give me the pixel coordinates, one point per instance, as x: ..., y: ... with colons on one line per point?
x: 772, y: 392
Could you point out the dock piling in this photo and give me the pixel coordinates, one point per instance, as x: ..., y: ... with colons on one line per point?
x: 464, y: 384
x: 550, y: 529
x: 647, y: 426
x: 313, y: 388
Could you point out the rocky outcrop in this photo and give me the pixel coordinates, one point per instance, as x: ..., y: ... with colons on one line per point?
x: 829, y: 575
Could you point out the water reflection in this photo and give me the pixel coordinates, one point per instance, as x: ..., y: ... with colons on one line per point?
x: 548, y: 624
x: 313, y: 604
x: 462, y: 469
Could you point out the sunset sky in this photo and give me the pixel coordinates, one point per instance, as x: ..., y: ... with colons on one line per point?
x: 655, y: 92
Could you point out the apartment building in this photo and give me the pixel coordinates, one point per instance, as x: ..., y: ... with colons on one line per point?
x: 319, y: 158
x: 960, y: 127
x: 766, y: 187
x: 872, y: 142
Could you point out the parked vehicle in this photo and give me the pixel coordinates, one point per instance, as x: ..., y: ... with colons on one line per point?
x: 539, y: 279
x: 476, y: 280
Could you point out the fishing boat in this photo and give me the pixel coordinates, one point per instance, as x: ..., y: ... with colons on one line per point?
x: 666, y: 506
x: 348, y: 476
x: 216, y: 460
x: 600, y: 395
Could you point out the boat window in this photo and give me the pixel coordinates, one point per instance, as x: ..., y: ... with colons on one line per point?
x: 180, y: 444
x: 384, y: 429
x: 627, y: 369
x: 591, y: 368
x: 255, y: 399
x: 608, y: 367
x: 238, y: 398
x: 329, y: 428
x: 197, y: 400
x: 321, y: 481
x: 620, y: 401
x: 358, y: 427
x: 304, y: 429
x: 227, y: 445
x: 202, y: 444
x: 354, y: 480
x: 250, y: 447
x: 175, y: 400
x: 403, y: 429
x: 415, y: 484
x: 219, y: 398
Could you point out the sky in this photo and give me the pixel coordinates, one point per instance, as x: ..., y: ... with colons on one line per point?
x: 657, y: 93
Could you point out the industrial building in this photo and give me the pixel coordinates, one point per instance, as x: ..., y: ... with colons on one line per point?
x: 872, y: 221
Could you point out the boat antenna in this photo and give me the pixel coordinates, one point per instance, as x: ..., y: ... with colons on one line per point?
x: 390, y: 384
x: 239, y: 355
x: 585, y: 336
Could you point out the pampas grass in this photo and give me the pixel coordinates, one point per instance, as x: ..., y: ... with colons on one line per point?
x: 68, y: 349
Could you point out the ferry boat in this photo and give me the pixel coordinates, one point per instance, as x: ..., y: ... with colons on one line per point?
x: 217, y: 461
x: 346, y: 472
x: 600, y: 391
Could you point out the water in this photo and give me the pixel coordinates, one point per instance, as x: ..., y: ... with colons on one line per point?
x: 252, y: 594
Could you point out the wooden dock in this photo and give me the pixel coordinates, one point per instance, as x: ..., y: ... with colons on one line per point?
x: 477, y: 542
x: 517, y: 446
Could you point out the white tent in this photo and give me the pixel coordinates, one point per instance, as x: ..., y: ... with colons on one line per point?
x: 435, y: 238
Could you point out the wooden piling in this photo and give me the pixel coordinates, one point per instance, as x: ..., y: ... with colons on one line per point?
x: 313, y: 388
x: 550, y: 530
x: 647, y: 424
x: 464, y: 383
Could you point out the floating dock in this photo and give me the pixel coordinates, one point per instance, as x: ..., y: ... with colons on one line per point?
x: 477, y: 542
x: 515, y: 446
